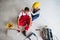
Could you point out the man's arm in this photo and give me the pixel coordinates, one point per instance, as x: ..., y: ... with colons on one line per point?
x: 30, y: 19
x: 19, y: 18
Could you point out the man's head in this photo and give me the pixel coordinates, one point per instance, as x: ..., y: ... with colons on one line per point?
x: 26, y: 10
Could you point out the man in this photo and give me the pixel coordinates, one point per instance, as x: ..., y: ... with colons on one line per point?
x: 25, y: 20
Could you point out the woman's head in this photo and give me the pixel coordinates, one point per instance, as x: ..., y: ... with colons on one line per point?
x: 36, y: 5
x: 26, y: 10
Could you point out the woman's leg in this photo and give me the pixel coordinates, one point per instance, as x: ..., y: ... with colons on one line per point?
x: 35, y: 17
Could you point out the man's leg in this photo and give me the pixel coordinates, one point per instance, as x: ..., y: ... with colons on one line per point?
x: 24, y: 33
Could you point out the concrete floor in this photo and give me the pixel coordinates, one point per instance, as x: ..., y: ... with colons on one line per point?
x: 9, y: 10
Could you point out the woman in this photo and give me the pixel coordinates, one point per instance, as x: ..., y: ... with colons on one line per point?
x: 35, y: 11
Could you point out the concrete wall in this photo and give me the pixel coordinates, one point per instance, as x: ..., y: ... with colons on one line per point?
x: 50, y: 15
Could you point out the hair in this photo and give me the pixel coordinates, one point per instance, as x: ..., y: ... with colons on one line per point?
x: 26, y: 9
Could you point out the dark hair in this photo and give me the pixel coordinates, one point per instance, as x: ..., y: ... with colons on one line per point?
x: 26, y: 9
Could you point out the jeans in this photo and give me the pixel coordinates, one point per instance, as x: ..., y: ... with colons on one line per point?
x: 34, y: 16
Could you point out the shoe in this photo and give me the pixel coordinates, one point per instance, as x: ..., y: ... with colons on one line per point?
x: 18, y: 30
x: 24, y: 33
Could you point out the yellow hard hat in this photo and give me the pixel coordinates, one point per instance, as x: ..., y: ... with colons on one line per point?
x: 9, y: 25
x: 36, y: 5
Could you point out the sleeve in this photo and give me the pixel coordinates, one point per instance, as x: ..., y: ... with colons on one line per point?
x: 36, y: 13
x: 20, y: 14
x: 29, y: 14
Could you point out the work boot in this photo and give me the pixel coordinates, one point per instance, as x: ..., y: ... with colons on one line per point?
x: 24, y: 33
